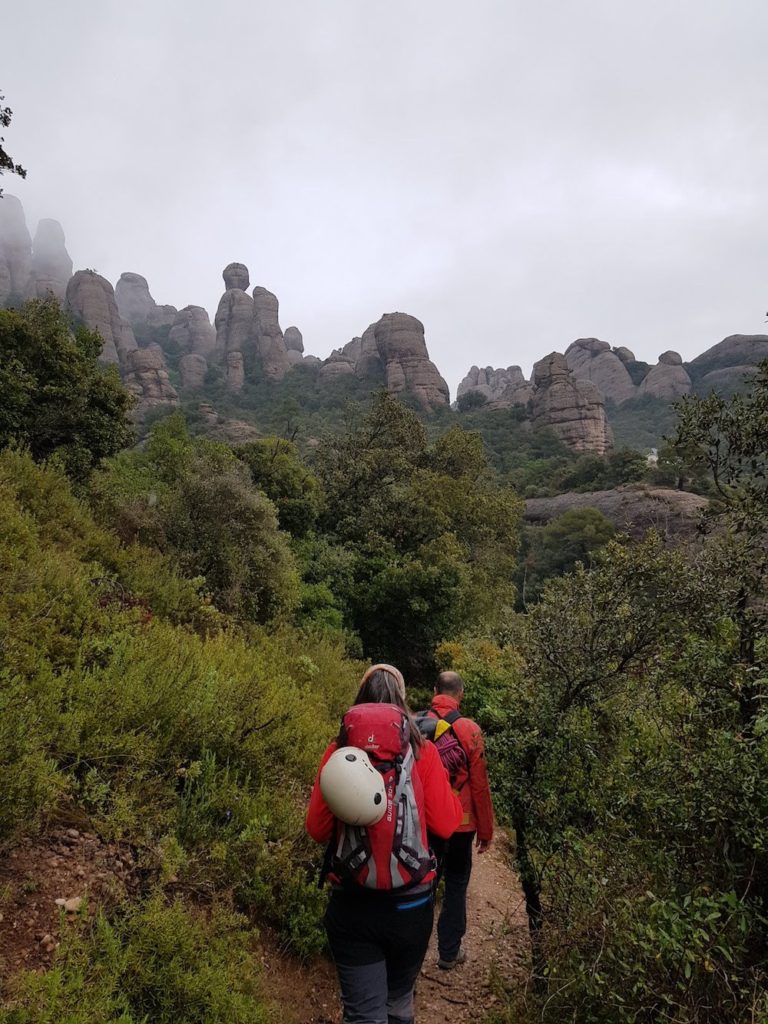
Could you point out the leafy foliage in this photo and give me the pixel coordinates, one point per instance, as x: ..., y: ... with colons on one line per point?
x: 7, y: 164
x: 431, y: 537
x: 551, y: 550
x: 56, y: 399
x: 194, y: 500
x: 157, y: 961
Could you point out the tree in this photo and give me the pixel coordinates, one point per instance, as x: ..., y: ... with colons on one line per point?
x: 276, y: 469
x: 194, y: 499
x: 6, y: 161
x: 57, y: 400
x: 432, y: 535
x: 551, y: 550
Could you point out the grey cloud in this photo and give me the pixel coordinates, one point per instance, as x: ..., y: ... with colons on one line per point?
x: 514, y: 174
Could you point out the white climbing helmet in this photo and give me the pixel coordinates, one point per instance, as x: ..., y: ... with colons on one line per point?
x: 352, y: 787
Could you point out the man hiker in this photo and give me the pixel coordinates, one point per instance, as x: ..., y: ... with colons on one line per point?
x: 469, y: 778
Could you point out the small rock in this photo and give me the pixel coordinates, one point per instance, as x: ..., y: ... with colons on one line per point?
x: 72, y: 833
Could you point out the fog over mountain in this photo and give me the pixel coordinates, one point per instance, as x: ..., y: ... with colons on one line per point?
x: 514, y: 175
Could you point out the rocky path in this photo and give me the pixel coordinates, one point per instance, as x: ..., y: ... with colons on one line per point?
x: 497, y: 952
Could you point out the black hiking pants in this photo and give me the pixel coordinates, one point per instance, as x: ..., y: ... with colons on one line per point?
x: 378, y: 942
x: 455, y: 861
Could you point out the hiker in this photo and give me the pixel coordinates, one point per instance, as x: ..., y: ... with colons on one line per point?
x: 380, y: 913
x: 460, y: 742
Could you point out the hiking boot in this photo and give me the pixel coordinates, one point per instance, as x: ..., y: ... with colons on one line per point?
x: 448, y: 965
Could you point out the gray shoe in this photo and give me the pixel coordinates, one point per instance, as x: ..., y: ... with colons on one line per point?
x: 448, y: 965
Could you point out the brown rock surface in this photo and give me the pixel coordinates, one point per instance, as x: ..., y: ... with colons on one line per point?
x: 633, y: 509
x: 234, y: 322
x: 338, y: 364
x: 235, y: 371
x: 51, y: 263
x: 725, y: 381
x: 403, y: 351
x: 16, y: 280
x: 592, y: 359
x: 193, y: 332
x: 736, y: 350
x: 667, y: 380
x: 572, y: 408
x: 146, y: 375
x: 626, y: 355
x: 294, y: 345
x: 193, y: 368
x: 91, y: 299
x: 501, y: 387
x: 136, y: 305
x: 236, y: 276
x: 267, y: 334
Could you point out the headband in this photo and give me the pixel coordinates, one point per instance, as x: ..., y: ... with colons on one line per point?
x: 392, y: 671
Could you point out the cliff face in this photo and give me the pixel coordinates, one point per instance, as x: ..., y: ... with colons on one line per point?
x: 595, y: 360
x: 501, y: 388
x: 572, y: 408
x: 136, y: 304
x: 30, y: 270
x: 91, y: 298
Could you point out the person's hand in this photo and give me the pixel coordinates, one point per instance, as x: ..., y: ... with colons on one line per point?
x: 482, y: 845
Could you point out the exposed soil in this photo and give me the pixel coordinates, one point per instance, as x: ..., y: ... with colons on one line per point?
x: 497, y: 954
x: 52, y: 878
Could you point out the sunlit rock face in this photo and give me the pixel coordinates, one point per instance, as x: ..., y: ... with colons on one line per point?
x: 668, y: 379
x: 573, y: 408
x: 51, y: 263
x: 594, y: 360
x: 16, y: 278
x: 91, y: 299
x: 136, y: 304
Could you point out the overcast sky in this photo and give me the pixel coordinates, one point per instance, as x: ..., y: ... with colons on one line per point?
x: 516, y: 173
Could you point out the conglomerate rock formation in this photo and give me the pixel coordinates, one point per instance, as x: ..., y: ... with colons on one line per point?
x: 51, y: 263
x: 668, y: 379
x: 403, y: 351
x: 573, y: 408
x: 91, y: 299
x: 193, y: 332
x: 16, y: 281
x: 500, y: 387
x: 30, y: 270
x: 595, y: 360
x: 246, y: 344
x: 632, y: 508
x: 146, y: 375
x: 136, y: 304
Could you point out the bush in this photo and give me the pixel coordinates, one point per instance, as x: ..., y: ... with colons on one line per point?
x: 157, y: 962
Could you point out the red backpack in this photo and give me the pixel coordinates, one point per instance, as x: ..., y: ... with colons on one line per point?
x: 393, y: 853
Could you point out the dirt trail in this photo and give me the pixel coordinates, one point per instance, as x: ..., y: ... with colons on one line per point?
x: 497, y: 950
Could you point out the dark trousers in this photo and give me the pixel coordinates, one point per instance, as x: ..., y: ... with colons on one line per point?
x: 378, y: 943
x: 455, y: 865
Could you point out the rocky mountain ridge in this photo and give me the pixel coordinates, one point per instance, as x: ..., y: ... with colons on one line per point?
x: 165, y: 354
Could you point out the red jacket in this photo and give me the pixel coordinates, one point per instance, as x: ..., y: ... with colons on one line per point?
x: 473, y: 786
x: 443, y: 810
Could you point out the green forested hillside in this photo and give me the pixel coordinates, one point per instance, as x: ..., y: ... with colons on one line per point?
x: 182, y: 624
